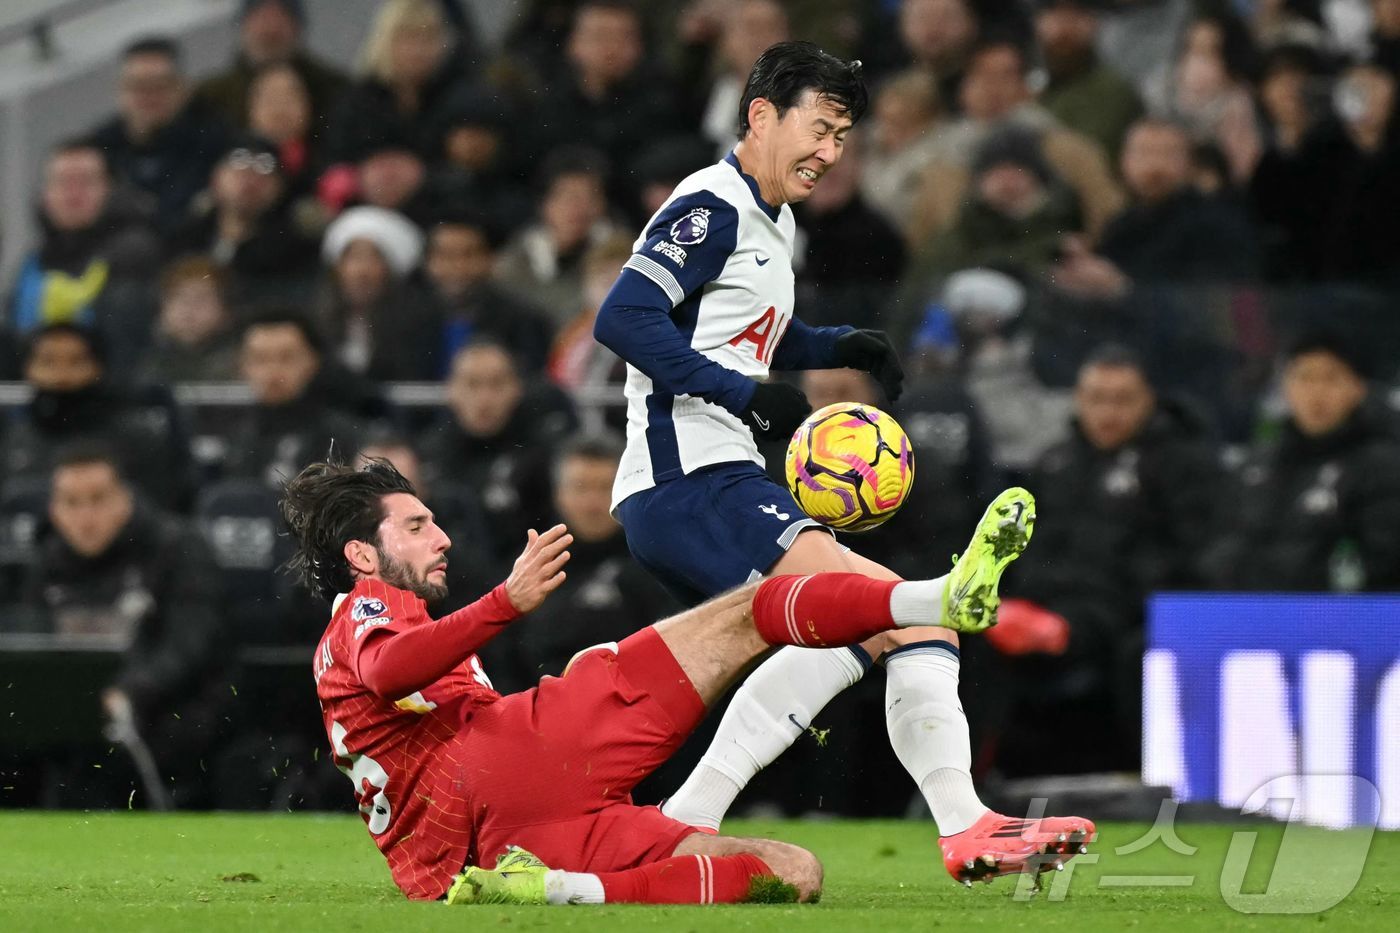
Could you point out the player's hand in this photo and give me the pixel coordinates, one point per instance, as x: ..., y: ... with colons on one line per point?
x: 539, y: 570
x: 872, y: 352
x: 776, y: 410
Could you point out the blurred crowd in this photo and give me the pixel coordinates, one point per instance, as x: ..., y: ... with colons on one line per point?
x: 1137, y: 254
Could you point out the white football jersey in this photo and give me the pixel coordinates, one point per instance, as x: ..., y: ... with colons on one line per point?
x: 724, y: 258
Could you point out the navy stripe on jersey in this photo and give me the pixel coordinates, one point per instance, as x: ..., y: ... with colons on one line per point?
x: 636, y: 324
x: 688, y: 244
x: 752, y: 182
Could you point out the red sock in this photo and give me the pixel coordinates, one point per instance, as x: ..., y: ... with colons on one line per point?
x: 685, y: 879
x: 824, y: 610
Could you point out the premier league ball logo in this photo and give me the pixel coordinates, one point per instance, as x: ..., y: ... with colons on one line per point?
x: 691, y: 228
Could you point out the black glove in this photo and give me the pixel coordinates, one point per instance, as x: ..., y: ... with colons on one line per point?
x: 872, y: 352
x: 775, y: 410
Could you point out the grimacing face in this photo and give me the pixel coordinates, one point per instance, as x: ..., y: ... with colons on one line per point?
x: 800, y: 147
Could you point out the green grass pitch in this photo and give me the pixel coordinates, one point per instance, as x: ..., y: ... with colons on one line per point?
x: 111, y: 872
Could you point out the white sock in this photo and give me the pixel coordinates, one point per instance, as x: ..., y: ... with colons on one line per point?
x: 928, y: 732
x: 572, y: 887
x: 918, y: 602
x: 771, y: 708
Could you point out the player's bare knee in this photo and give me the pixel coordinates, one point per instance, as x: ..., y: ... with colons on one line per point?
x: 804, y: 872
x: 886, y: 642
x: 796, y: 866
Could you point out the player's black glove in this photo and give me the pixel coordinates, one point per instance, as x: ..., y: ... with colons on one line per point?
x: 776, y: 410
x: 871, y: 351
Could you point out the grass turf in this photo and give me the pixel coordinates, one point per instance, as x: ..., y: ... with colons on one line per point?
x: 134, y: 871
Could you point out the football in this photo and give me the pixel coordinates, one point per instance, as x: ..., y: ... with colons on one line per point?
x: 850, y: 466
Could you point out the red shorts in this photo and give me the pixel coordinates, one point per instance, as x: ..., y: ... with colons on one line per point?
x: 552, y: 769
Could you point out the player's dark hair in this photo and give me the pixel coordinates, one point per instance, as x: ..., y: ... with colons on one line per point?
x: 154, y: 45
x: 787, y: 70
x: 329, y: 504
x: 587, y: 445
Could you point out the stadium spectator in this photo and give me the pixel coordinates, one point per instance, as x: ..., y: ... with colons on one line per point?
x: 993, y: 352
x: 542, y: 263
x: 1289, y: 82
x: 745, y: 30
x: 1385, y: 35
x: 160, y: 142
x: 1326, y: 205
x: 377, y: 320
x: 280, y: 111
x: 1015, y: 217
x: 75, y: 400
x: 1131, y: 493
x: 194, y: 338
x: 1082, y: 92
x: 1207, y: 89
x: 96, y: 251
x: 657, y: 170
x: 1170, y: 233
x: 576, y: 359
x: 295, y: 416
x: 272, y: 33
x: 244, y: 224
x: 607, y: 595
x: 495, y: 440
x: 461, y: 258
x: 605, y: 96
x: 116, y: 569
x: 854, y: 257
x: 393, y: 176
x: 902, y: 142
x: 1319, y: 507
x: 477, y: 168
x: 937, y: 37
x: 995, y: 94
x: 407, y: 81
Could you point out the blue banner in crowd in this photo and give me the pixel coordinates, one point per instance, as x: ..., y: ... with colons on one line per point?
x: 1243, y: 689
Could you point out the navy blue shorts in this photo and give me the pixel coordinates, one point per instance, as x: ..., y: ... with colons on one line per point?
x: 711, y: 530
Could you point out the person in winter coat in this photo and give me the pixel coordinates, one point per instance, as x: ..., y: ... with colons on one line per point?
x: 1318, y: 508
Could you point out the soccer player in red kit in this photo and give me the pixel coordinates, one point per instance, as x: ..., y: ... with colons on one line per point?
x: 450, y: 775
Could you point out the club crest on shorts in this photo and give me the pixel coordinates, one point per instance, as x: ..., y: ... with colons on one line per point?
x: 691, y: 228
x: 367, y: 607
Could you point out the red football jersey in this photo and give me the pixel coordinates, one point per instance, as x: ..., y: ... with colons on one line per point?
x: 400, y: 754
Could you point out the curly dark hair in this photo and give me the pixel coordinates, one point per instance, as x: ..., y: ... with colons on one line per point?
x: 329, y: 504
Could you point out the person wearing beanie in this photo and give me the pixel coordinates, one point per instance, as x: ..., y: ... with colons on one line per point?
x: 1318, y: 506
x: 1017, y: 214
x: 377, y: 321
x: 271, y: 32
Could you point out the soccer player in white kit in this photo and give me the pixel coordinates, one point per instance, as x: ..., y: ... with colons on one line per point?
x: 701, y: 312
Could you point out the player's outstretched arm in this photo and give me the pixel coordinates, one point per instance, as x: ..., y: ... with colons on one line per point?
x: 395, y: 661
x: 871, y: 351
x: 539, y: 570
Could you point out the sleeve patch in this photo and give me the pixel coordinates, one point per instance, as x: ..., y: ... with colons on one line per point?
x: 367, y: 612
x: 691, y: 229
